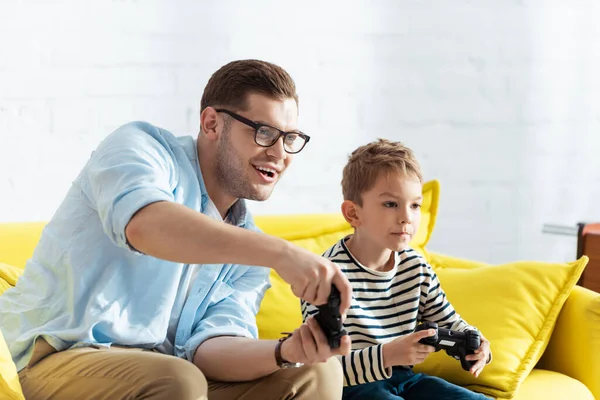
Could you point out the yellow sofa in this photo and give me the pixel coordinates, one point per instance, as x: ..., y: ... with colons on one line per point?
x: 568, y: 363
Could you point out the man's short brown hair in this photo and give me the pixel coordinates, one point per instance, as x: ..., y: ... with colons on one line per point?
x: 231, y: 84
x: 366, y: 163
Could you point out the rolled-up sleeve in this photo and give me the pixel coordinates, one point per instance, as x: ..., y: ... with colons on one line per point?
x: 131, y: 169
x: 235, y: 313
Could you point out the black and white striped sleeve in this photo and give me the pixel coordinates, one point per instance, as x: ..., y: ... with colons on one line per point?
x: 307, y: 310
x: 364, y: 366
x: 361, y: 365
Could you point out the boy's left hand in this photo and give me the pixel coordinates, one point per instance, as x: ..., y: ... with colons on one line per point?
x: 481, y: 356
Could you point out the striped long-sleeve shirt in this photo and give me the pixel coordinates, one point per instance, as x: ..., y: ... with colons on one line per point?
x: 385, y: 306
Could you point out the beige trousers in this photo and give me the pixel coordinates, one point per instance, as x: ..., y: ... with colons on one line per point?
x: 127, y: 374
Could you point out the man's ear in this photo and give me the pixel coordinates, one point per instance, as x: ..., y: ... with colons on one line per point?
x: 209, y: 121
x: 350, y: 211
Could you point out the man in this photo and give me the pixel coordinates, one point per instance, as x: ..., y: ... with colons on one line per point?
x: 152, y: 254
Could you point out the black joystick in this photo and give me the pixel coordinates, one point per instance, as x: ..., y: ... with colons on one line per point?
x: 457, y: 344
x: 330, y: 320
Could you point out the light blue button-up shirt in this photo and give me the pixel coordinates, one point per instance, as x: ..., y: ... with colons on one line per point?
x: 85, y: 286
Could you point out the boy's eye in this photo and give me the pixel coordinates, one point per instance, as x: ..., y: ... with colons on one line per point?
x: 390, y: 204
x: 416, y: 206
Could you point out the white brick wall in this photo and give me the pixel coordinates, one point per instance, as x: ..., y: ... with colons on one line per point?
x: 500, y: 100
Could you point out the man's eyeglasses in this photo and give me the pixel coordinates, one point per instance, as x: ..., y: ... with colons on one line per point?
x: 267, y: 135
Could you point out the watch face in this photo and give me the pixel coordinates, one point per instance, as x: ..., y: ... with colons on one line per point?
x: 291, y: 365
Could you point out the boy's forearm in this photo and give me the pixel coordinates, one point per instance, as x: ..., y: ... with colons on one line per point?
x: 236, y: 359
x: 176, y: 233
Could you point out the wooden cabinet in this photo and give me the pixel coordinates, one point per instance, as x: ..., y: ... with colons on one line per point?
x: 588, y: 243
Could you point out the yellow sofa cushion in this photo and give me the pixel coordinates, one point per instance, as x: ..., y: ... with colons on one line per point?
x: 280, y: 309
x: 10, y: 388
x: 18, y: 240
x: 9, y: 380
x: 550, y: 385
x: 514, y: 305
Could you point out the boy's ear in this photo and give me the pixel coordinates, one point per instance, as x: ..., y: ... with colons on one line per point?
x: 350, y: 213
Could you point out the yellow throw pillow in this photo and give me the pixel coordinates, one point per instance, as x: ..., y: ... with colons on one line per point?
x: 429, y: 209
x: 280, y: 309
x: 10, y: 274
x: 10, y: 388
x: 515, y: 306
x: 4, y: 285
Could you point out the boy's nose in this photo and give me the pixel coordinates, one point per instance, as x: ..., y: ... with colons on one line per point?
x: 404, y: 218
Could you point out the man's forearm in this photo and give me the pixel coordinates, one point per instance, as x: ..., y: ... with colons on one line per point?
x: 176, y: 233
x: 236, y: 359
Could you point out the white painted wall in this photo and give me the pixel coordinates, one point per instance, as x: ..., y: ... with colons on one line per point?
x: 499, y: 99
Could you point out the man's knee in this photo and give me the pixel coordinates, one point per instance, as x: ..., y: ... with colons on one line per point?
x: 326, y: 380
x: 330, y: 371
x: 175, y: 378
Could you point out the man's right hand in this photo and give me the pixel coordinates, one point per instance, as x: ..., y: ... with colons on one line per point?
x: 311, y: 277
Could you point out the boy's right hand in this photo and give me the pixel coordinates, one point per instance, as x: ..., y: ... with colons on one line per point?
x: 406, y: 350
x: 311, y: 277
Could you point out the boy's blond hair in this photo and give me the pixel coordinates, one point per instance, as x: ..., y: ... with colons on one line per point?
x: 366, y: 163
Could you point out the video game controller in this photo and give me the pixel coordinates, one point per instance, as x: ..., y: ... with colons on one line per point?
x: 457, y: 344
x: 330, y: 319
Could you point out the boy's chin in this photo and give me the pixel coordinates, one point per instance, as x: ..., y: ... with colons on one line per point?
x: 399, y: 247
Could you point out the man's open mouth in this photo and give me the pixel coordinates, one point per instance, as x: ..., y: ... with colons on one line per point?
x: 266, y: 171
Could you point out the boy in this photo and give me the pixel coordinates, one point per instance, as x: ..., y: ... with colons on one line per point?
x: 393, y: 286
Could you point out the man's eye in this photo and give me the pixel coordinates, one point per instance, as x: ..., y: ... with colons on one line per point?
x: 265, y: 132
x: 390, y: 204
x: 291, y: 138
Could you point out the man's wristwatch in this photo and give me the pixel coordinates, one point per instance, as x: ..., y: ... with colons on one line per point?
x: 281, y: 363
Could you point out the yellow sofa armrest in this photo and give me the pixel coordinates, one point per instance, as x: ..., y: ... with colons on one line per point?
x: 574, y: 348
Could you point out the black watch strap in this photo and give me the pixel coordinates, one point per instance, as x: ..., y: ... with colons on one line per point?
x: 281, y: 363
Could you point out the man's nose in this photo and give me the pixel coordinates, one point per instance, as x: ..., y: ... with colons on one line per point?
x: 277, y: 150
